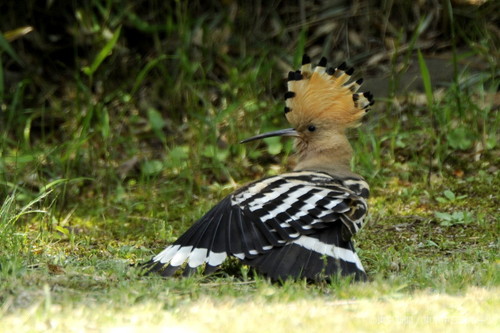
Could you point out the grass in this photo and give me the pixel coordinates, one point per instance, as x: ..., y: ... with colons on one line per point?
x: 425, y: 312
x: 109, y: 164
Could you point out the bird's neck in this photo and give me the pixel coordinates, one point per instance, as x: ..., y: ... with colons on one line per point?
x: 332, y: 156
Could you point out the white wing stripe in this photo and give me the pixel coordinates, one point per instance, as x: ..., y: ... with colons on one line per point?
x: 176, y: 255
x: 167, y: 254
x: 197, y: 257
x: 216, y: 258
x: 285, y: 206
x: 333, y: 251
x: 270, y: 196
x: 290, y: 198
x: 181, y: 256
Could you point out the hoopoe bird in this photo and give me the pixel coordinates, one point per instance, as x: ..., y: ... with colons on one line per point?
x: 298, y: 224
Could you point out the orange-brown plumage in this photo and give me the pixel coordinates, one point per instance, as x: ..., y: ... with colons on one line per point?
x: 321, y: 104
x: 323, y: 96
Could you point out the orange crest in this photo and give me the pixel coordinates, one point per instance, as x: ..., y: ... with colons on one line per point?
x: 325, y: 96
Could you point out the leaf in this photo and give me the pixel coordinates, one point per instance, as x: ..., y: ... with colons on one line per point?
x: 274, y: 145
x: 462, y: 217
x: 12, y: 35
x: 400, y: 142
x: 254, y: 154
x: 460, y: 138
x: 2, y: 85
x: 5, y: 46
x: 214, y: 152
x: 150, y: 168
x: 142, y: 74
x: 53, y: 184
x: 179, y: 153
x: 445, y: 223
x: 431, y: 243
x: 449, y: 195
x: 103, y: 54
x: 491, y: 142
x: 177, y: 157
x: 426, y: 79
x: 155, y: 120
x: 443, y: 216
x: 63, y: 230
x: 105, y: 129
x: 47, y: 188
x: 468, y: 217
x: 457, y: 216
x: 300, y: 47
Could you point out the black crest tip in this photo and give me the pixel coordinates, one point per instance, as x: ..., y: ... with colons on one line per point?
x: 322, y: 62
x: 289, y: 94
x: 360, y: 81
x: 298, y: 75
x: 306, y: 59
x: 342, y: 66
x: 350, y: 71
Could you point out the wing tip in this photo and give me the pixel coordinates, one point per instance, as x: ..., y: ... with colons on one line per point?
x: 294, y: 262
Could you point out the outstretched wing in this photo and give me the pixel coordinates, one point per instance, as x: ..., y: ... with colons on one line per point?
x: 274, y: 218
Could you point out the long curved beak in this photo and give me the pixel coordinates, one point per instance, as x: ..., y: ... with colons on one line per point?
x: 283, y: 132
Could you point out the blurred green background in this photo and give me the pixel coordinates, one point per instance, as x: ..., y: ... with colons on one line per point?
x: 103, y: 93
x: 118, y: 117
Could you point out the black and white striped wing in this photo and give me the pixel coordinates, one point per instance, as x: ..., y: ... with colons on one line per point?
x: 296, y: 224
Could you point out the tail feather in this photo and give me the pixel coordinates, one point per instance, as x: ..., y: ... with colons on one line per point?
x: 313, y: 257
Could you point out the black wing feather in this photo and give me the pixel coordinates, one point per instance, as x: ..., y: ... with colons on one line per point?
x: 289, y: 244
x: 295, y: 261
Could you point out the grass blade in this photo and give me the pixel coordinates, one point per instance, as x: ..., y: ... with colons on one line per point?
x: 2, y: 85
x: 103, y: 54
x: 142, y: 74
x: 5, y: 46
x: 426, y: 78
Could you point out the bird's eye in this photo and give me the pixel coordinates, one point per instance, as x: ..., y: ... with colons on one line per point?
x: 311, y: 128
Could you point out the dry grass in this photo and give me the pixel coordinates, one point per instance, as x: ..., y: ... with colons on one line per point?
x: 476, y: 310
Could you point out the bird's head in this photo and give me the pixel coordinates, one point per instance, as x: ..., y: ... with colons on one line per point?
x: 320, y: 105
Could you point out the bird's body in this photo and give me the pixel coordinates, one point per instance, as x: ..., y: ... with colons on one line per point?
x: 297, y: 224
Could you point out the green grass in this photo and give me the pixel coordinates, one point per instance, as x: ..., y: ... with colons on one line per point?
x: 113, y: 155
